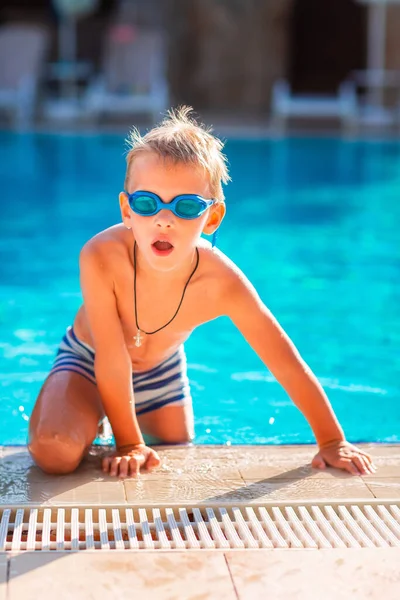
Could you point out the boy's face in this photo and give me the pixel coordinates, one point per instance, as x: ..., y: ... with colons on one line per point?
x: 151, y: 173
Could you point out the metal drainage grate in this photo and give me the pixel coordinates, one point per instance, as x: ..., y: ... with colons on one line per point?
x: 278, y: 525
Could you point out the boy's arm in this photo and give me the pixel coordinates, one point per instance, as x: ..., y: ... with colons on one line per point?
x: 113, y: 367
x: 277, y: 351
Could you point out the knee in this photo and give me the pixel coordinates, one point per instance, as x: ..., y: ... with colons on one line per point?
x: 55, y: 453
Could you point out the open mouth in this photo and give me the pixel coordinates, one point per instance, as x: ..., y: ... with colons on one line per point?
x: 162, y: 247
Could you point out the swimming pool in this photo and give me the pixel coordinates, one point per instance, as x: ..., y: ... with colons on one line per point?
x: 312, y: 222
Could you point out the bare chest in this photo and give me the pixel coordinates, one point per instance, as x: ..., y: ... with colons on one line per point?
x: 165, y: 317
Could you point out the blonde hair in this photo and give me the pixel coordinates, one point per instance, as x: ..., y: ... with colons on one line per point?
x: 181, y: 139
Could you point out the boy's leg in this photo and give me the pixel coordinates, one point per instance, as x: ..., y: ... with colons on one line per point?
x: 64, y: 422
x: 169, y: 424
x: 163, y: 401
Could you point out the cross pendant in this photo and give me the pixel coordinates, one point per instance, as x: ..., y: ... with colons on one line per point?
x: 138, y: 339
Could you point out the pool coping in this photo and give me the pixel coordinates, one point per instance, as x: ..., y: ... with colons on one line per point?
x: 206, y: 473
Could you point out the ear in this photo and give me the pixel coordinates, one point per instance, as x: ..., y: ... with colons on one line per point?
x: 126, y: 212
x: 216, y: 214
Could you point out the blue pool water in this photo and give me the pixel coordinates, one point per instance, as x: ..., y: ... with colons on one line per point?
x: 314, y: 223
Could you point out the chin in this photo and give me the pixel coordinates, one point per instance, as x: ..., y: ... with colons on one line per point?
x: 164, y: 264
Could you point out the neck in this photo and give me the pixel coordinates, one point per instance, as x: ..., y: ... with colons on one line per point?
x: 178, y: 274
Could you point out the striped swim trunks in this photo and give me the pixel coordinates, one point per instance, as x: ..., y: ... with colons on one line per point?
x: 164, y: 385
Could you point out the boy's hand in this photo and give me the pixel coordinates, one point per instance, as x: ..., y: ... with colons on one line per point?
x: 128, y: 460
x: 343, y: 455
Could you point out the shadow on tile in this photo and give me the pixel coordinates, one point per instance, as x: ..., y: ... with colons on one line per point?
x: 297, y: 484
x: 26, y: 562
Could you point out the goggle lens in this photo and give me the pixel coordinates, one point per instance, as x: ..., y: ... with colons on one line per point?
x: 189, y: 208
x: 144, y: 205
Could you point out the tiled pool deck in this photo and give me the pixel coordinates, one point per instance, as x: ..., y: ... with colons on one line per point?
x: 212, y: 475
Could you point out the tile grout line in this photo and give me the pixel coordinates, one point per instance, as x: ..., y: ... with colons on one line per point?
x: 372, y: 491
x: 8, y: 571
x: 125, y: 493
x: 242, y: 478
x: 231, y: 576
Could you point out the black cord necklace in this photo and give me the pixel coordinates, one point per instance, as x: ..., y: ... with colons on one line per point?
x: 138, y: 338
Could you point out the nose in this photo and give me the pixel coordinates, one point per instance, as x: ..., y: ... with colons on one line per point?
x: 164, y: 219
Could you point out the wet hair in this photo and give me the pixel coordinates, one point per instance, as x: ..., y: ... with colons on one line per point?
x: 181, y: 139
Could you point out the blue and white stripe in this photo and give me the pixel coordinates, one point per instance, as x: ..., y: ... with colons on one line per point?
x: 163, y: 385
x: 74, y: 355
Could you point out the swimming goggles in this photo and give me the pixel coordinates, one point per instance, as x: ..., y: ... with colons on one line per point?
x: 185, y: 206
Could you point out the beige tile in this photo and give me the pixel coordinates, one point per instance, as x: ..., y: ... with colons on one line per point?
x: 75, y: 491
x: 3, y: 575
x: 181, y: 491
x: 382, y: 450
x: 240, y: 454
x: 212, y: 475
x: 249, y: 462
x: 22, y: 482
x: 283, y: 462
x: 337, y: 574
x: 388, y: 488
x: 293, y: 463
x: 306, y: 489
x: 197, y: 463
x: 94, y: 576
x: 65, y: 491
x: 230, y: 462
x: 288, y: 471
x: 387, y: 466
x: 385, y: 470
x: 189, y: 473
x: 238, y: 492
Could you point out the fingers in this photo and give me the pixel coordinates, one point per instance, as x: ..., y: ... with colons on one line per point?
x: 318, y: 462
x: 123, y: 465
x: 365, y: 454
x: 357, y: 465
x: 348, y: 465
x: 135, y: 463
x: 367, y: 458
x: 106, y: 464
x: 367, y: 465
x: 153, y: 461
x: 363, y: 464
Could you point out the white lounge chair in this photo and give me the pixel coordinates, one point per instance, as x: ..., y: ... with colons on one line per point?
x: 286, y: 105
x: 22, y: 53
x: 372, y: 88
x: 133, y: 78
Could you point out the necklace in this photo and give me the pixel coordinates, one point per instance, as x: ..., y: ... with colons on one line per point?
x: 138, y: 337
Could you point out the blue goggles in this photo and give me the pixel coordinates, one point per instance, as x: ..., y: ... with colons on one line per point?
x: 185, y: 206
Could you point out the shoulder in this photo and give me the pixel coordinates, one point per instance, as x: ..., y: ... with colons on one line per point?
x: 227, y: 280
x: 105, y: 255
x: 107, y: 246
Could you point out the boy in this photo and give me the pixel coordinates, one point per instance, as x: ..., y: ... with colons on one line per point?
x: 146, y: 284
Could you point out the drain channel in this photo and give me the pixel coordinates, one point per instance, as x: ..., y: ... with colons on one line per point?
x: 283, y: 525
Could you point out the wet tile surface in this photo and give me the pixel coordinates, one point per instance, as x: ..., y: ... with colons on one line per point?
x: 303, y: 489
x: 22, y: 482
x: 94, y: 576
x: 311, y: 575
x: 195, y: 490
x: 200, y: 474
